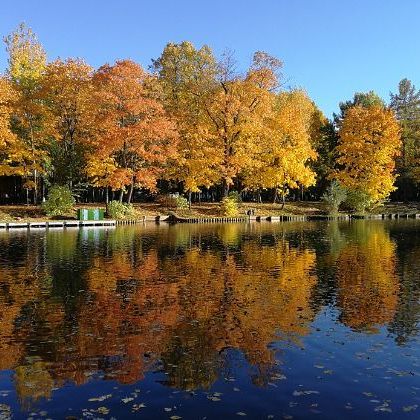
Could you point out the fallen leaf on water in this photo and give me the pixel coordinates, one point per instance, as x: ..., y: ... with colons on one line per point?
x: 103, y: 410
x: 409, y: 408
x: 101, y: 398
x: 300, y: 393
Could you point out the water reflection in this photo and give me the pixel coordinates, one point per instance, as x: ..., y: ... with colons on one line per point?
x: 116, y: 304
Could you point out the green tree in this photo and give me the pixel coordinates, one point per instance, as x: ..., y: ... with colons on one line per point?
x: 364, y: 99
x: 406, y: 105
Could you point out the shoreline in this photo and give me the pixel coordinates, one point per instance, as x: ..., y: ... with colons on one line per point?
x: 174, y: 219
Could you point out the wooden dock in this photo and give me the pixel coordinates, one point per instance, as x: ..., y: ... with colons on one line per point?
x: 60, y: 224
x: 172, y: 218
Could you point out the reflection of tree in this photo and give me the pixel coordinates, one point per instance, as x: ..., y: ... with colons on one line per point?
x: 190, y: 359
x: 406, y: 321
x: 33, y: 382
x: 182, y: 298
x: 367, y: 279
x: 130, y: 304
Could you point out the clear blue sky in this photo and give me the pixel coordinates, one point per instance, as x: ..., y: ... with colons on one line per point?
x: 330, y: 48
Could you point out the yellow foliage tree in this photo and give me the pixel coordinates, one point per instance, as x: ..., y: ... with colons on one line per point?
x: 369, y: 143
x: 187, y: 76
x: 284, y: 145
x: 10, y: 146
x: 31, y: 120
x: 236, y: 111
x: 68, y: 90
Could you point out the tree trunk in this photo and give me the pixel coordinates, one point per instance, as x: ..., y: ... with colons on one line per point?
x: 283, y: 197
x: 130, y: 193
x: 189, y: 199
x: 121, y: 195
x: 35, y: 187
x: 225, y: 188
x: 43, y: 189
x: 275, y: 196
x: 106, y: 196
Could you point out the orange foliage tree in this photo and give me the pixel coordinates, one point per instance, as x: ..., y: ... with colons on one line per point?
x: 135, y: 139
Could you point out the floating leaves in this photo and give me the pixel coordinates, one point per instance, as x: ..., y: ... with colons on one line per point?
x: 300, y: 393
x: 101, y: 398
x: 409, y: 408
x: 215, y: 396
x: 137, y: 407
x: 103, y: 410
x: 5, y: 412
x: 384, y: 407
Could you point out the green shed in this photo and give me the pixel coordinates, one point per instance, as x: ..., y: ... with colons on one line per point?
x: 90, y: 214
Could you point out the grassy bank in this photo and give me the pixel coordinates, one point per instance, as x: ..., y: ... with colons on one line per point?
x: 35, y: 213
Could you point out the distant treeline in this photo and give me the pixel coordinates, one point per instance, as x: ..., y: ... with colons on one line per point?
x: 195, y: 125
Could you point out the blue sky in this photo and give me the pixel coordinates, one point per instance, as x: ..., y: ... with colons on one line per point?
x: 331, y: 48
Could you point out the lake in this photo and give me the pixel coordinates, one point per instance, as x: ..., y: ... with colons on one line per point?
x: 262, y: 320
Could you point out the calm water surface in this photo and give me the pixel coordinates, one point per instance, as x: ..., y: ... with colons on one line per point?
x: 281, y: 320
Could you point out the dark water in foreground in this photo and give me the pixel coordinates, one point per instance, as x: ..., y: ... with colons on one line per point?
x: 289, y: 320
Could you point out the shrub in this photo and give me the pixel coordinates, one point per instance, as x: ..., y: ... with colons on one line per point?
x: 60, y: 201
x: 181, y: 202
x: 334, y: 196
x: 118, y: 210
x: 173, y: 200
x: 359, y: 201
x: 230, y: 207
x: 236, y: 196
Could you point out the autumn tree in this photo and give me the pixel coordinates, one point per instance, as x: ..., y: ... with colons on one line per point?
x: 27, y: 61
x: 67, y: 90
x: 188, y: 78
x: 406, y: 105
x: 237, y: 109
x: 281, y: 159
x: 369, y: 143
x: 324, y: 139
x: 364, y: 99
x: 136, y: 139
x: 11, y: 149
